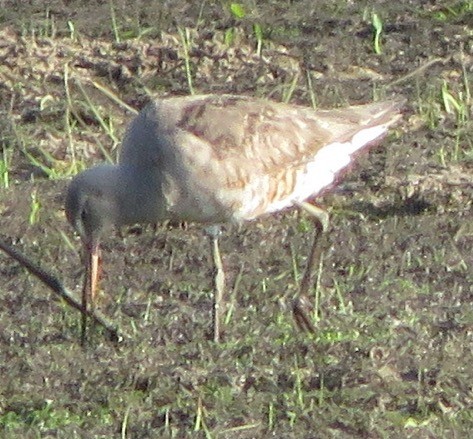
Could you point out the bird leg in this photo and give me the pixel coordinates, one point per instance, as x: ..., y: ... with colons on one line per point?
x: 219, y: 279
x: 89, y: 288
x: 301, y: 304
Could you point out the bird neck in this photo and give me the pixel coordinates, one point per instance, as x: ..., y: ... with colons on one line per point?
x: 139, y: 197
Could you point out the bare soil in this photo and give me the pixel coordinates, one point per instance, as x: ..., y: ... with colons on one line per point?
x: 394, y: 345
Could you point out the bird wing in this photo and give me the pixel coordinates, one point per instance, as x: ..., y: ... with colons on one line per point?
x: 228, y: 157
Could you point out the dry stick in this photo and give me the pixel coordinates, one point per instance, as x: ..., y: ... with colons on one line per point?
x: 419, y: 70
x: 55, y: 284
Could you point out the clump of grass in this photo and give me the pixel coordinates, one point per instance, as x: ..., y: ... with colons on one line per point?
x: 72, y: 30
x: 378, y: 30
x: 428, y: 106
x: 127, y: 31
x: 106, y: 124
x: 435, y: 106
x: 258, y: 33
x: 238, y: 11
x: 5, y: 169
x: 377, y: 23
x: 289, y: 88
x: 454, y: 11
x: 113, y: 18
x: 42, y: 28
x: 457, y: 105
x: 186, y: 43
x: 35, y: 208
x: 43, y: 418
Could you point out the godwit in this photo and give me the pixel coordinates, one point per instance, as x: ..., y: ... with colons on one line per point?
x: 214, y: 159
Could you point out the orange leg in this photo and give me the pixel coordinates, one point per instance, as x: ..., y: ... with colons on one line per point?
x: 89, y: 288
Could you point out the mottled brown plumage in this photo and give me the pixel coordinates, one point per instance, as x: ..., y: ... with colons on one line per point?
x: 215, y: 159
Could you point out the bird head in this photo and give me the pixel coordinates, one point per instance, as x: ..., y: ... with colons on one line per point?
x: 91, y: 205
x: 91, y: 210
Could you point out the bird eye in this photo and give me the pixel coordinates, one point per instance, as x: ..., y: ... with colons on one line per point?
x: 84, y: 214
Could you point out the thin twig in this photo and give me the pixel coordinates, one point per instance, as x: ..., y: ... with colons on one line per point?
x: 419, y: 70
x: 55, y: 284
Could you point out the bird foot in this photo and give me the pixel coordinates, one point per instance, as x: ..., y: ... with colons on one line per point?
x: 301, y: 310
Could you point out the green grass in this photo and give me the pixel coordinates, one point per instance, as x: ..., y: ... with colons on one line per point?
x: 186, y: 43
x: 454, y: 11
x: 451, y: 100
x: 390, y: 356
x: 4, y: 169
x: 377, y: 24
x: 47, y: 417
x: 258, y: 31
x: 35, y: 208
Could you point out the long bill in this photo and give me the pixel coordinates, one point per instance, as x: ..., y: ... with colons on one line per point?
x: 89, y: 288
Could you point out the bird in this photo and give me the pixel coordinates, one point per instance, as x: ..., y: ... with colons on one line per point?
x: 216, y: 159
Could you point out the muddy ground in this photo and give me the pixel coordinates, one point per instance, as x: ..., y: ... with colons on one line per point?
x: 393, y: 351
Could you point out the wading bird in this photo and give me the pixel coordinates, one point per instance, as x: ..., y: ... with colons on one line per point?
x: 216, y: 159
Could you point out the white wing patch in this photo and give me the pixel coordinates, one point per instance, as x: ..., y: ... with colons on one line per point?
x: 327, y: 163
